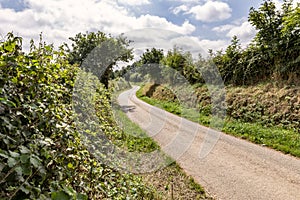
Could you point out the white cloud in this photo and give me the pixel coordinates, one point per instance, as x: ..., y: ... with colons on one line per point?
x: 134, y: 2
x: 244, y: 31
x: 150, y: 21
x: 211, y: 11
x: 60, y: 19
x: 166, y: 40
x: 158, y: 38
x: 223, y: 28
x: 186, y: 1
x: 179, y: 9
x: 213, y: 44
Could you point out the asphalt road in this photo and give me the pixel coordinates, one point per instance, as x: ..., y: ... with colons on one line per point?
x: 232, y: 169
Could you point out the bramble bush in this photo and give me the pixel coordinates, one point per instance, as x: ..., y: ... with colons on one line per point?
x: 42, y: 154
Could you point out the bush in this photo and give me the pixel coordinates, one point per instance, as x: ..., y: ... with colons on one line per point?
x: 42, y: 155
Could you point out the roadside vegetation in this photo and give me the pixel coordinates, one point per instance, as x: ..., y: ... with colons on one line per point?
x: 42, y: 153
x: 261, y: 81
x: 42, y: 122
x: 47, y: 152
x: 284, y: 137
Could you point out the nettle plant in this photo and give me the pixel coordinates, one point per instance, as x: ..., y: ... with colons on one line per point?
x: 42, y: 155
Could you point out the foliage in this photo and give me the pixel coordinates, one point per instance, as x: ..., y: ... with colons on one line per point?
x: 42, y: 155
x: 182, y: 63
x: 228, y: 63
x: 99, y: 52
x: 153, y: 56
x: 149, y: 64
x: 272, y: 55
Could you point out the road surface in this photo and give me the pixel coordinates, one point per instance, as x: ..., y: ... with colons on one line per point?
x: 233, y: 169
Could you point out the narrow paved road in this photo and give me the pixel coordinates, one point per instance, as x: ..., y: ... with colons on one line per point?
x: 234, y: 168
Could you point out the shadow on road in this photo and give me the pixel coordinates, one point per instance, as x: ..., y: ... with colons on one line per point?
x: 127, y: 109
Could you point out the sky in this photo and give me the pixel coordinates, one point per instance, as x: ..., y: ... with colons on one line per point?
x: 197, y: 25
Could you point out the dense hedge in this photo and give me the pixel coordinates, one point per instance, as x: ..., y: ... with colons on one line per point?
x: 42, y: 155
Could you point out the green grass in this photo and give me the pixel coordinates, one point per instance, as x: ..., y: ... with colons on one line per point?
x: 134, y: 138
x: 285, y: 140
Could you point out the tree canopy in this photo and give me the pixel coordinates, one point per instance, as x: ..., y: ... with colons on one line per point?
x: 98, y: 53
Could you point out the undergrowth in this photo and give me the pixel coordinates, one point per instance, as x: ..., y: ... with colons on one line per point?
x: 42, y: 153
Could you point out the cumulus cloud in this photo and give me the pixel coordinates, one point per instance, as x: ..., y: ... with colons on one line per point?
x: 160, y: 38
x: 187, y: 1
x: 134, y: 2
x: 60, y: 19
x: 158, y: 22
x: 179, y: 9
x: 166, y: 40
x: 211, y: 11
x: 213, y: 44
x: 223, y: 28
x: 244, y: 31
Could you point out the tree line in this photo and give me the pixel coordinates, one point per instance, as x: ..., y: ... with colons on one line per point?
x: 273, y: 54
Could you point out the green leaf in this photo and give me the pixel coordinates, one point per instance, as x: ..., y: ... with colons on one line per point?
x: 8, y: 103
x: 11, y: 162
x: 24, y: 150
x: 14, y: 154
x: 14, y: 80
x: 35, y: 162
x: 19, y: 170
x: 69, y: 190
x: 59, y: 196
x: 9, y: 47
x: 26, y: 169
x: 24, y: 158
x: 3, y: 154
x: 25, y: 190
x: 42, y: 170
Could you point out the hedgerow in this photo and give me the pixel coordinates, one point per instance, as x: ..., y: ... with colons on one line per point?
x: 42, y: 154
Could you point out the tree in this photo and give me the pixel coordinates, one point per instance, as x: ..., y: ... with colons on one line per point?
x: 149, y: 63
x: 175, y: 59
x: 291, y: 32
x: 153, y: 56
x: 98, y: 53
x: 278, y: 36
x: 229, y: 62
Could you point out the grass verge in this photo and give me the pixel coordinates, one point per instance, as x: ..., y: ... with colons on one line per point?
x: 285, y: 140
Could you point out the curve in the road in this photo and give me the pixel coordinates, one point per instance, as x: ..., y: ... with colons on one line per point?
x: 234, y: 169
